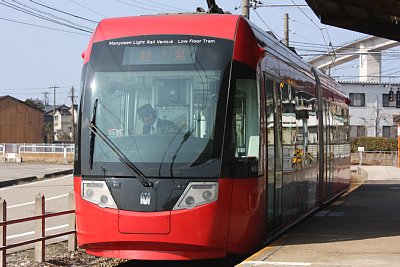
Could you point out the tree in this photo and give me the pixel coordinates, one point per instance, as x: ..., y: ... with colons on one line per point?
x: 36, y: 103
x: 379, y: 115
x: 48, y: 132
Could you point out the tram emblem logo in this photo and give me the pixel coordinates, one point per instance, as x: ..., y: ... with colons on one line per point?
x: 145, y: 198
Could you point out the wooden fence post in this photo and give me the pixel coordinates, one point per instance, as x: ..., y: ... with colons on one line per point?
x: 3, y: 232
x: 40, y: 229
x: 71, y: 223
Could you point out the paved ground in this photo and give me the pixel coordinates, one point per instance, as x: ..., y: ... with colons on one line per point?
x: 13, y: 173
x: 361, y: 228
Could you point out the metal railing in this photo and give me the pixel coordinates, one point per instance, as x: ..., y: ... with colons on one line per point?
x: 40, y: 218
x: 45, y: 149
x: 36, y: 147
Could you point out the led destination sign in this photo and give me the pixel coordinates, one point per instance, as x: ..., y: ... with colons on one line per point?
x: 148, y: 55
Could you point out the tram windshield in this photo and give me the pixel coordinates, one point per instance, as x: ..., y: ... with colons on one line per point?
x: 157, y: 100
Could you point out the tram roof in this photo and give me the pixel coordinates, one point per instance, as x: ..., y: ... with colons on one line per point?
x: 193, y: 24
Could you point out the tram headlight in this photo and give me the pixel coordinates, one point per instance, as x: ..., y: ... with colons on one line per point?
x: 97, y: 193
x: 89, y: 193
x: 189, y: 201
x: 196, y: 194
x: 207, y: 195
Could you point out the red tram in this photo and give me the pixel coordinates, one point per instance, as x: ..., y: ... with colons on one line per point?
x: 260, y: 138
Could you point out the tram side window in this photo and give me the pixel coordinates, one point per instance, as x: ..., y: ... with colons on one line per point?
x: 246, y: 129
x: 289, y: 129
x: 305, y: 148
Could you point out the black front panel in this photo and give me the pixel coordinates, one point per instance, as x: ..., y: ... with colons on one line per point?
x: 130, y: 194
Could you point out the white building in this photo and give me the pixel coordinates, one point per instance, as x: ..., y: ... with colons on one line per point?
x: 370, y: 109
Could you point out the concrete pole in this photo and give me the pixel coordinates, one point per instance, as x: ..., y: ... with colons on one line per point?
x: 72, y: 242
x: 40, y: 228
x: 246, y: 8
x: 286, y: 29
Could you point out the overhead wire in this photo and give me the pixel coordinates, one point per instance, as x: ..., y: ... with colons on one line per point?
x: 84, y: 7
x: 63, y: 12
x: 31, y: 13
x: 44, y: 27
x: 255, y: 11
x: 163, y: 6
x: 144, y: 8
x: 64, y: 20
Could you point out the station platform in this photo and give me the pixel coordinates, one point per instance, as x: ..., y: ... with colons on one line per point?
x: 361, y: 228
x: 15, y: 173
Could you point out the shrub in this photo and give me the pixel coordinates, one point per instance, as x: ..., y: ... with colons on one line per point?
x: 374, y: 144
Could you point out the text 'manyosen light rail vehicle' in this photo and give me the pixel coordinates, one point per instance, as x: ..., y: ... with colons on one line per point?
x: 260, y: 139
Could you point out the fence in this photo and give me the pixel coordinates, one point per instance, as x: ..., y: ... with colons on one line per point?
x: 40, y: 218
x: 45, y: 149
x: 35, y: 148
x: 15, y: 152
x: 382, y: 158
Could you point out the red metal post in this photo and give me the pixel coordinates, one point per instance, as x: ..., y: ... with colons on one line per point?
x: 43, y: 229
x: 3, y: 218
x: 398, y: 145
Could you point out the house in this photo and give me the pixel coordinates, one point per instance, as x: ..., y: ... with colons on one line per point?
x: 60, y: 118
x: 371, y: 111
x: 19, y: 122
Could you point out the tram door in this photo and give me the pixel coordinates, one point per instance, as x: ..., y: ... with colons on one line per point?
x: 274, y: 154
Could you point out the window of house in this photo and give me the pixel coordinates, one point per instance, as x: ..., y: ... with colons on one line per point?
x: 361, y: 131
x: 389, y: 131
x: 357, y: 99
x: 386, y: 102
x: 357, y: 131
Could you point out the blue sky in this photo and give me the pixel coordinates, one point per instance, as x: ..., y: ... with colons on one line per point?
x: 37, y: 54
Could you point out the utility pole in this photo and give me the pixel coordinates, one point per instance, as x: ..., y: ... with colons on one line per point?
x: 54, y: 98
x: 73, y: 111
x: 54, y: 108
x: 46, y: 98
x: 246, y: 8
x: 286, y: 29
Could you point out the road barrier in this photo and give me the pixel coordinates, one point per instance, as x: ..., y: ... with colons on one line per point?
x: 40, y: 218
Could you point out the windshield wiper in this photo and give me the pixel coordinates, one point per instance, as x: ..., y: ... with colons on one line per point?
x: 142, y: 178
x: 97, y: 132
x: 184, y: 139
x: 92, y: 135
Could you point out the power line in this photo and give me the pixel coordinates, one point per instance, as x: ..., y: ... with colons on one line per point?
x: 316, y: 25
x: 63, y: 12
x: 162, y: 8
x: 44, y: 27
x: 282, y: 5
x: 145, y: 8
x: 31, y: 13
x: 255, y: 11
x: 31, y: 88
x: 91, y: 10
x: 165, y: 5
